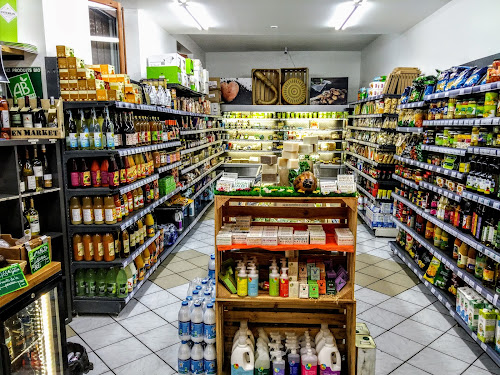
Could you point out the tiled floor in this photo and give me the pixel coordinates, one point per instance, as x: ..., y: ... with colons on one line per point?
x: 413, y: 331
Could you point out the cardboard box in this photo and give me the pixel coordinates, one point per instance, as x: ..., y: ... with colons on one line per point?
x: 102, y: 94
x: 214, y: 83
x: 301, y: 237
x: 168, y: 59
x: 224, y: 238
x: 214, y: 96
x: 343, y: 236
x: 19, y: 252
x: 215, y: 109
x: 169, y: 73
x: 62, y: 63
x: 63, y: 74
x: 63, y: 51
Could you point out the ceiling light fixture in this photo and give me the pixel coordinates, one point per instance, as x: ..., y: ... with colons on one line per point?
x: 184, y: 5
x: 274, y: 27
x: 355, y: 5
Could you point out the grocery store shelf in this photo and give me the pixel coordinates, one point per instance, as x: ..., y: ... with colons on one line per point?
x: 197, y: 148
x: 169, y: 167
x: 290, y: 129
x: 110, y: 305
x: 430, y: 167
x: 330, y: 166
x: 368, y: 160
x: 183, y: 90
x: 8, y: 197
x: 363, y: 128
x: 447, y: 300
x: 26, y: 142
x: 198, y: 193
x: 376, y: 115
x: 376, y: 97
x: 487, y: 151
x: 405, y: 181
x: 69, y: 154
x: 464, y: 91
x: 463, y: 122
x: 487, y: 201
x: 33, y: 193
x: 474, y: 283
x: 362, y: 174
x: 468, y: 239
x: 255, y: 151
x: 117, y: 262
x: 412, y: 105
x: 445, y: 150
x: 405, y: 129
x: 201, y: 176
x: 200, y: 131
x: 447, y: 193
x: 377, y: 232
x: 111, y: 191
x: 191, y: 167
x: 281, y: 108
x: 371, y: 144
x: 252, y: 140
x: 370, y: 196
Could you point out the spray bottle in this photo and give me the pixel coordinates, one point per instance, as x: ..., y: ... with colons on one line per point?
x: 278, y: 362
x: 262, y: 361
x: 263, y: 335
x: 328, y: 365
x: 293, y: 359
x: 284, y: 282
x: 274, y: 287
x: 305, y: 348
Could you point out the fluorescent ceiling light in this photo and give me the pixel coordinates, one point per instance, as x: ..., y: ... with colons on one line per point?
x: 106, y: 39
x: 183, y: 4
x: 100, y: 6
x: 345, y: 14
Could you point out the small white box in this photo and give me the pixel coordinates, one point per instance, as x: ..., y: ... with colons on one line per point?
x: 285, y: 238
x: 315, y: 227
x: 310, y: 139
x: 269, y: 169
x: 305, y: 149
x: 254, y: 238
x: 303, y: 290
x: 224, y: 238
x: 239, y: 238
x: 243, y: 221
x: 301, y: 237
x: 317, y: 238
x: 270, y: 228
x: 270, y: 238
x: 293, y: 163
x: 293, y: 289
x: 343, y: 236
x: 291, y: 146
x: 290, y: 154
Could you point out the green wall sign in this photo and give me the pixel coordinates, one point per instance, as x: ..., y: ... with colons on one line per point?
x: 24, y: 81
x: 8, y: 21
x: 12, y: 279
x: 39, y: 257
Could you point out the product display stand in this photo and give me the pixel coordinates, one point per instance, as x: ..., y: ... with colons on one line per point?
x: 288, y: 314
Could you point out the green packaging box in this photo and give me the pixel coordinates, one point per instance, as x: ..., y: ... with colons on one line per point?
x: 171, y: 73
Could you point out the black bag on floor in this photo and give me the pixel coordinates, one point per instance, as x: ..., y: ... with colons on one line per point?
x: 78, y: 359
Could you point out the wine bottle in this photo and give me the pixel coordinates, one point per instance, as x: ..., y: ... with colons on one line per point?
x: 37, y: 169
x: 96, y: 132
x: 118, y: 132
x: 131, y: 135
x: 108, y: 131
x: 72, y: 136
x: 39, y: 119
x: 34, y: 219
x: 27, y: 113
x: 4, y: 118
x: 52, y: 114
x: 85, y: 138
x: 26, y: 224
x: 47, y: 176
x: 28, y: 174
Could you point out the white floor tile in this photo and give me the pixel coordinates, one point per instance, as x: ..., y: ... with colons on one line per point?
x: 133, y: 308
x: 380, y: 317
x: 142, y: 323
x: 99, y: 366
x: 375, y: 330
x: 147, y: 288
x: 158, y: 299
x: 357, y: 287
x: 400, y: 307
x: 417, y: 298
x: 416, y: 331
x: 397, y: 346
x: 486, y: 363
x: 362, y: 306
x: 421, y: 288
x: 434, y: 319
x: 179, y: 291
x: 160, y: 337
x: 169, y: 355
x: 78, y: 340
x: 460, y: 332
x: 456, y: 347
x: 473, y: 370
x: 84, y: 323
x: 104, y: 336
x: 150, y: 365
x: 407, y: 369
x: 123, y: 352
x: 435, y: 362
x: 385, y: 363
x: 170, y: 312
x: 381, y: 253
x: 371, y: 296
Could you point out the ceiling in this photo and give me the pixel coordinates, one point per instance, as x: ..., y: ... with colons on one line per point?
x: 244, y: 25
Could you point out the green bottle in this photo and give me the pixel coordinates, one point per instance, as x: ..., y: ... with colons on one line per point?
x: 101, y: 282
x: 80, y: 282
x: 90, y: 282
x: 121, y: 284
x: 111, y: 283
x: 130, y: 278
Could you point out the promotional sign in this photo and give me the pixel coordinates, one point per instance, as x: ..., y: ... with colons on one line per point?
x: 12, y: 279
x: 236, y: 90
x: 8, y: 21
x: 328, y: 91
x: 39, y: 257
x: 25, y: 81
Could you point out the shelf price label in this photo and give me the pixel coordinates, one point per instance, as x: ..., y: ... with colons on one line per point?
x: 39, y: 257
x: 12, y: 279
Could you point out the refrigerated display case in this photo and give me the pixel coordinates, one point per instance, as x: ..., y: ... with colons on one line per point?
x: 32, y: 331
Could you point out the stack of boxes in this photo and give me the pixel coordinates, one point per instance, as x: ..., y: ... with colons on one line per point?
x: 380, y: 216
x: 269, y: 169
x: 166, y: 185
x: 214, y: 94
x: 315, y: 278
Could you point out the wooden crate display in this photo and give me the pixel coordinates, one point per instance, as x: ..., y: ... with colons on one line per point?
x: 40, y: 133
x: 399, y: 79
x: 266, y: 87
x: 301, y: 74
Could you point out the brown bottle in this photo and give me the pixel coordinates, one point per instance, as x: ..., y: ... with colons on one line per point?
x: 109, y: 247
x: 98, y: 247
x: 98, y: 210
x: 88, y: 248
x: 77, y: 247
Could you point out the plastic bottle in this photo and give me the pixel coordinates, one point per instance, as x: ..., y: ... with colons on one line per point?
x: 246, y: 331
x: 242, y: 358
x: 189, y: 300
x: 274, y: 287
x: 197, y: 323
x: 284, y: 282
x: 196, y: 295
x: 209, y: 324
x: 309, y: 363
x: 278, y: 362
x: 197, y: 359
x: 184, y: 322
x: 111, y: 283
x: 294, y: 361
x: 263, y: 335
x: 130, y: 278
x: 121, y: 284
x: 211, y: 267
x: 253, y: 283
x: 242, y: 283
x: 324, y: 329
x: 210, y: 360
x: 101, y: 282
x: 327, y: 364
x: 207, y: 297
x: 307, y: 346
x: 323, y: 340
x: 262, y: 362
x: 184, y: 358
x: 133, y: 269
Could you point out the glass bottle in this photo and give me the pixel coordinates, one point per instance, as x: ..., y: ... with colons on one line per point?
x: 34, y: 219
x: 113, y: 173
x: 87, y: 211
x: 27, y: 113
x: 28, y: 173
x: 37, y: 169
x: 108, y: 130
x: 98, y: 210
x: 52, y: 114
x: 98, y: 247
x: 125, y: 244
x: 72, y: 133
x: 76, y: 210
x: 109, y: 247
x: 84, y: 139
x: 104, y: 173
x: 77, y: 247
x: 95, y: 131
x: 47, y: 176
x: 118, y: 132
x: 39, y: 119
x: 85, y: 175
x: 88, y: 247
x: 95, y: 173
x: 109, y: 210
x: 489, y: 273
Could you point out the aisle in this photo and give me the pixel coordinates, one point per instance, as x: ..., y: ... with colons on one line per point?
x: 414, y: 333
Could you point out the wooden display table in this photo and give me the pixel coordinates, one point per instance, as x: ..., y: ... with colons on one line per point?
x: 277, y: 314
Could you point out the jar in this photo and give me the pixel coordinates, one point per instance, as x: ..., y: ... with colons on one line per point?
x: 452, y: 102
x: 474, y: 136
x: 471, y: 108
x: 459, y: 109
x: 480, y: 108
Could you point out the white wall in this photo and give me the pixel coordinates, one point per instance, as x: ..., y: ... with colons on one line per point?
x: 196, y: 51
x: 320, y: 64
x: 455, y: 34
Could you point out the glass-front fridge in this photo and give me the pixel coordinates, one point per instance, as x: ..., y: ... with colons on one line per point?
x: 32, y: 334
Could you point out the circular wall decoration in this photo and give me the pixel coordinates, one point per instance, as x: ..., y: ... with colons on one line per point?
x: 294, y: 91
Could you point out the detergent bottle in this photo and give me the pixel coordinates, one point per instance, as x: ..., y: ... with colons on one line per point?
x: 293, y: 360
x: 306, y: 348
x: 263, y: 335
x: 274, y: 281
x: 309, y: 362
x: 278, y: 362
x: 253, y: 282
x: 322, y: 342
x: 324, y: 329
x: 246, y: 331
x: 262, y: 361
x: 242, y: 283
x: 284, y: 282
x: 242, y: 358
x: 329, y: 358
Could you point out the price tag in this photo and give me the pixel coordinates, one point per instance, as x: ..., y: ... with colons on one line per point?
x: 483, y: 88
x: 12, y: 279
x: 39, y: 257
x: 460, y: 274
x: 489, y: 298
x: 478, y: 287
x: 440, y: 297
x: 483, y: 345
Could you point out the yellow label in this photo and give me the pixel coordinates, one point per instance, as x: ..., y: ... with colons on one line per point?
x: 80, y: 249
x: 100, y: 249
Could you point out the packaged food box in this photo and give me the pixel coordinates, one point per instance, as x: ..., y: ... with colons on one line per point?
x: 343, y: 236
x: 301, y: 237
x: 224, y: 238
x: 486, y: 326
x: 254, y: 238
x: 19, y: 252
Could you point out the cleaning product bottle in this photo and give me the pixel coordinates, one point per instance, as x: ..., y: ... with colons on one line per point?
x: 210, y: 360
x: 284, y: 282
x: 246, y: 331
x: 253, y: 283
x: 274, y: 277
x: 184, y: 322
x: 309, y: 362
x: 211, y: 267
x: 262, y: 361
x: 242, y: 283
x: 263, y: 335
x: 197, y: 359
x: 329, y: 358
x: 322, y: 342
x: 306, y: 347
x: 242, y: 358
x: 184, y: 358
x: 278, y: 362
x: 294, y: 360
x: 322, y: 330
x: 209, y: 324
x: 197, y: 323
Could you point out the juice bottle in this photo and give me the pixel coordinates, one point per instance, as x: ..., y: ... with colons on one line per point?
x: 133, y: 269
x: 131, y: 171
x: 80, y: 282
x: 74, y: 175
x: 87, y: 210
x: 141, y: 236
x: 77, y: 247
x: 101, y: 282
x: 471, y: 260
x: 98, y: 247
x: 122, y: 170
x: 132, y: 239
x: 111, y: 283
x: 118, y: 207
x: 130, y: 200
x: 104, y: 173
x: 76, y: 210
x: 98, y: 210
x: 88, y: 247
x: 113, y: 173
x: 139, y: 264
x: 463, y: 252
x: 125, y: 244
x: 489, y: 273
x: 135, y: 200
x: 147, y: 193
x: 124, y: 177
x: 437, y: 236
x: 146, y: 255
x: 138, y: 166
x: 118, y: 244
x: 90, y: 282
x: 109, y: 247
x: 124, y: 205
x: 121, y: 284
x: 95, y: 173
x: 85, y: 176
x: 456, y: 246
x: 150, y: 225
x: 156, y: 159
x: 109, y: 210
x: 130, y: 278
x: 480, y: 265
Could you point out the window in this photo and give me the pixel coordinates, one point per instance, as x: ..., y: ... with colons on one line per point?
x: 106, y: 34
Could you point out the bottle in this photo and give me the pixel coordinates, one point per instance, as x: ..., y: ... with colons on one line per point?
x: 466, y: 216
x: 22, y: 182
x: 26, y: 221
x: 278, y: 362
x: 130, y: 278
x: 74, y: 174
x: 443, y: 245
x: 15, y: 116
x: 463, y: 253
x: 437, y: 236
x: 37, y: 169
x: 139, y: 263
x: 131, y: 170
x: 130, y: 133
x: 85, y: 138
x: 242, y: 358
x: 85, y: 175
x: 124, y: 204
x: 28, y: 173
x: 146, y: 255
x: 80, y: 282
x: 76, y: 210
x: 242, y: 282
x: 118, y: 207
x: 132, y: 239
x: 111, y: 283
x: 121, y: 284
x: 101, y: 287
x: 125, y: 245
x: 118, y: 131
x: 95, y: 132
x: 489, y: 273
x: 253, y: 281
x: 39, y: 119
x: 47, y: 176
x: 77, y: 247
x: 210, y: 360
x: 471, y: 260
x: 72, y: 139
x: 326, y: 362
x: 95, y: 173
x: 88, y: 248
x: 274, y: 277
x: 113, y: 173
x: 104, y: 173
x: 27, y: 113
x: 90, y: 282
x: 184, y: 322
x: 196, y: 359
x: 87, y: 211
x: 209, y: 324
x: 109, y: 210
x: 8, y: 336
x: 284, y: 282
x: 456, y: 246
x: 140, y: 231
x: 197, y: 328
x: 480, y: 265
x: 108, y: 130
x: 184, y: 358
x: 4, y: 119
x: 98, y: 211
x: 150, y: 225
x: 309, y: 362
x: 109, y: 247
x: 52, y: 114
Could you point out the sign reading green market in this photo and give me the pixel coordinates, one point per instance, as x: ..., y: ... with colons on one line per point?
x: 24, y: 81
x: 39, y: 257
x: 8, y: 21
x: 12, y: 279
